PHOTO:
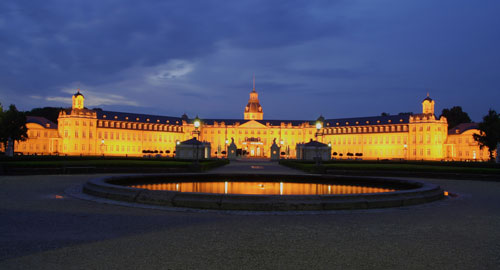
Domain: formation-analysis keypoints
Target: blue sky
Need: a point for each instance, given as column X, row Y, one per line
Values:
column 339, row 58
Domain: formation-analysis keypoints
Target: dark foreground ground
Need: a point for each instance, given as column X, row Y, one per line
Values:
column 41, row 230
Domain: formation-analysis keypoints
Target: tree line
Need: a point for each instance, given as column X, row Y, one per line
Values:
column 12, row 127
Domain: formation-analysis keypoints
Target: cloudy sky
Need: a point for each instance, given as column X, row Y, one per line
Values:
column 339, row 58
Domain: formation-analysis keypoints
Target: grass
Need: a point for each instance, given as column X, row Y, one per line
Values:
column 97, row 163
column 108, row 162
column 430, row 167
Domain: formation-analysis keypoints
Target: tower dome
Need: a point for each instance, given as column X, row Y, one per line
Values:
column 78, row 100
column 253, row 110
column 428, row 105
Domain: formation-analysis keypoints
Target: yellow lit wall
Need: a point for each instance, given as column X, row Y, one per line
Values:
column 463, row 147
column 41, row 141
column 418, row 137
column 256, row 138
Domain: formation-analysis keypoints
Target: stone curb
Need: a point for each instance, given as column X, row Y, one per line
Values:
column 413, row 193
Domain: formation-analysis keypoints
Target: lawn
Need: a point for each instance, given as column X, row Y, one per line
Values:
column 97, row 163
column 29, row 165
column 407, row 167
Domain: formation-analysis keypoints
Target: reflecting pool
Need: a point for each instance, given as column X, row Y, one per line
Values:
column 263, row 188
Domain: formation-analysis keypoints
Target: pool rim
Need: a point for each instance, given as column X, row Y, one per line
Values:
column 422, row 192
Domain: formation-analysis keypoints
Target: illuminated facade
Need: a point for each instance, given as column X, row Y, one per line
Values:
column 81, row 131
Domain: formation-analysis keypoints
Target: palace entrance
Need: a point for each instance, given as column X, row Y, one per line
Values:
column 254, row 147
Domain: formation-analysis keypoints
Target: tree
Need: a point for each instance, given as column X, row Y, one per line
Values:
column 13, row 126
column 2, row 115
column 51, row 113
column 384, row 114
column 490, row 132
column 455, row 116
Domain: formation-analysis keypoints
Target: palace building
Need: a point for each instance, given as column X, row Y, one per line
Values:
column 82, row 131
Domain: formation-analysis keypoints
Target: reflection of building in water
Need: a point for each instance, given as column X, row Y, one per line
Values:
column 82, row 131
column 263, row 188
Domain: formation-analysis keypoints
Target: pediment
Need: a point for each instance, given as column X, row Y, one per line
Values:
column 252, row 124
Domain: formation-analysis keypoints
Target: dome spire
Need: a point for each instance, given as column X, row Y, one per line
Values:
column 253, row 83
column 253, row 110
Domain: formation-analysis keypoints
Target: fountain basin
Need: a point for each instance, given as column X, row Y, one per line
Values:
column 394, row 192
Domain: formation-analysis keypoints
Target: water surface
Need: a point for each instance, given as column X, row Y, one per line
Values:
column 262, row 188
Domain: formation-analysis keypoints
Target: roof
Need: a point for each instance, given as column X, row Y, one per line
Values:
column 44, row 122
column 192, row 141
column 368, row 121
column 342, row 122
column 138, row 118
column 78, row 94
column 253, row 107
column 315, row 144
column 461, row 128
column 231, row 122
column 427, row 98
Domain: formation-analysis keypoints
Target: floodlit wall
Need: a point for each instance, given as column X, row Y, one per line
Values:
column 41, row 141
column 463, row 147
column 418, row 137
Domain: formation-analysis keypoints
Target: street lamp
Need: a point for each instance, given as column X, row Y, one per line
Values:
column 319, row 126
column 406, row 151
column 197, row 124
column 102, row 147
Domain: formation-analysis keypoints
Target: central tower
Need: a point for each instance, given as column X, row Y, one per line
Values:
column 253, row 110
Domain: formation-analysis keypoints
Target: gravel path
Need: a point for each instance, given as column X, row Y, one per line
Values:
column 42, row 228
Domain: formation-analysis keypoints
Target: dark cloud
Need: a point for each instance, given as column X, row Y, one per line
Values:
column 59, row 41
column 204, row 52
